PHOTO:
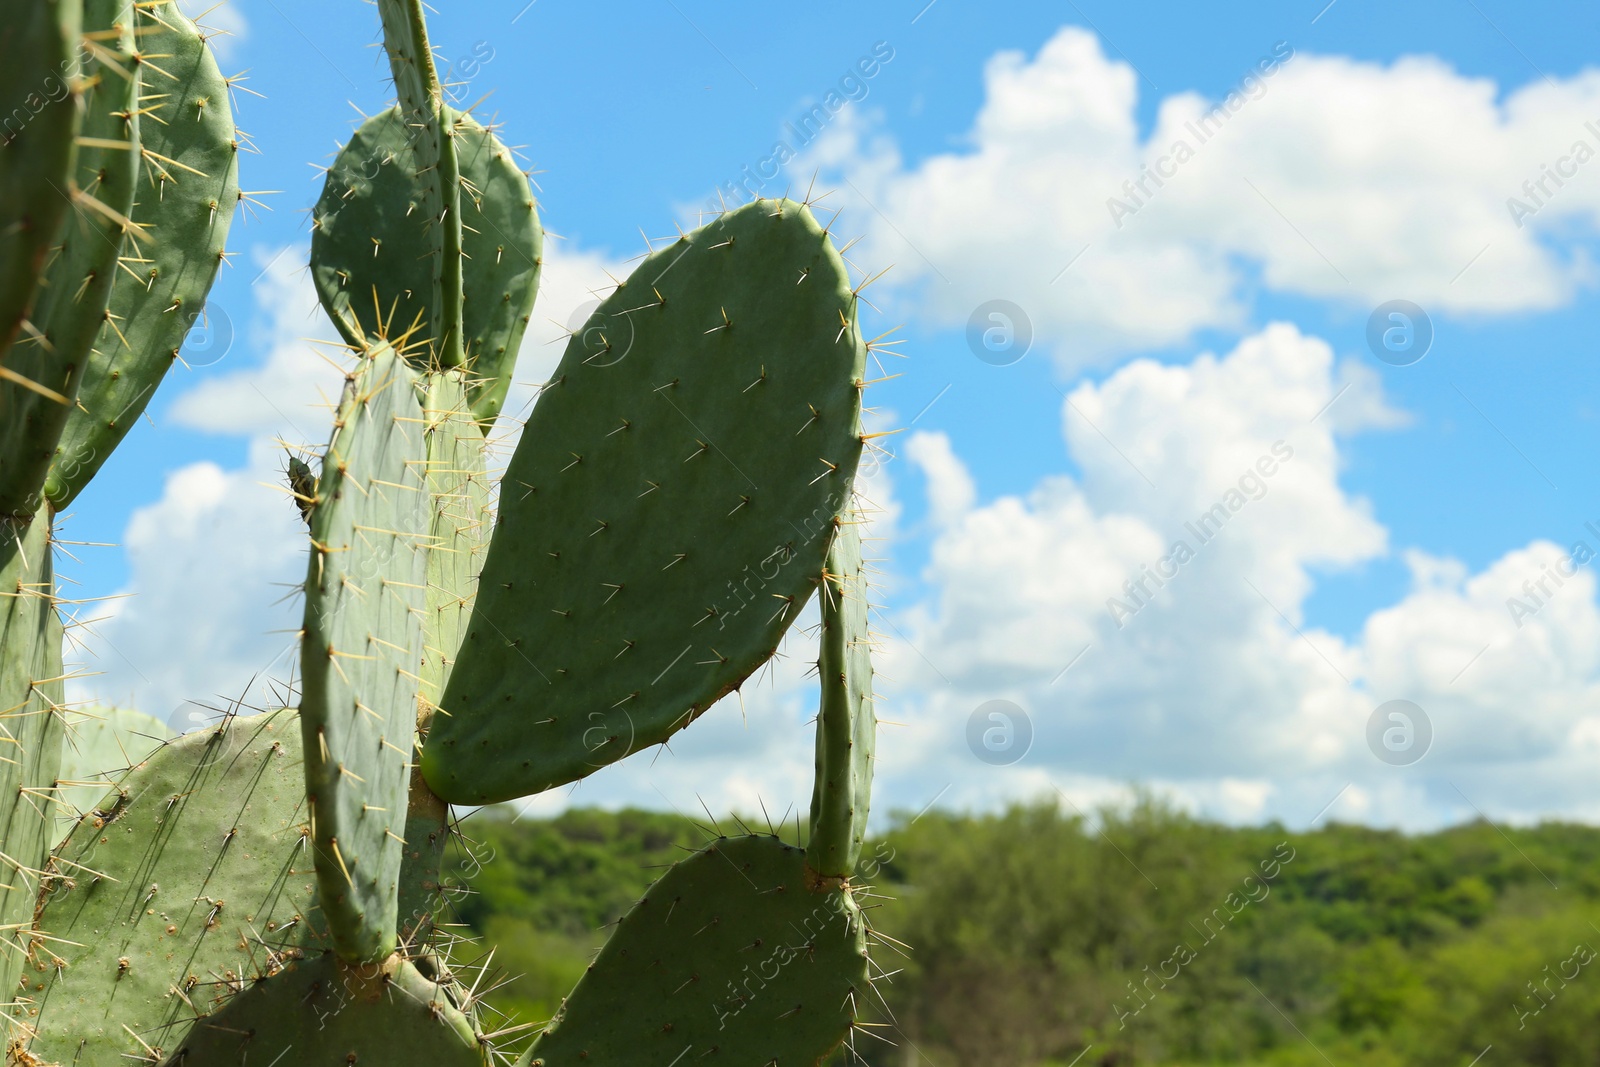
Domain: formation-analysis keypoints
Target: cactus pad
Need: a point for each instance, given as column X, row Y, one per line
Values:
column 733, row 952
column 458, row 493
column 667, row 510
column 70, row 307
column 373, row 255
column 422, row 900
column 31, row 727
column 361, row 650
column 327, row 1012
column 185, row 204
column 40, row 43
column 101, row 744
column 847, row 724
column 196, row 880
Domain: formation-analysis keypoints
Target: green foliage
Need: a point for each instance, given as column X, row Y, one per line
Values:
column 1038, row 935
column 543, row 892
column 1029, row 925
column 570, row 875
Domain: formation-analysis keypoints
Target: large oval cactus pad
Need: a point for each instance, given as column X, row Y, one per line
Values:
column 185, row 204
column 365, row 594
column 194, row 881
column 735, row 952
column 666, row 512
column 326, row 1012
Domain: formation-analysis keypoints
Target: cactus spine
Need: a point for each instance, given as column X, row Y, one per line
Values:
column 683, row 486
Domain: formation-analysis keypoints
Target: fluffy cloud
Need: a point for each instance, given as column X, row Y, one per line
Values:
column 951, row 491
column 1148, row 617
column 213, row 564
column 1349, row 181
column 1158, row 576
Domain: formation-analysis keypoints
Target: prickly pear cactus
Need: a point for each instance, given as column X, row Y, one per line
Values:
column 31, row 727
column 270, row 886
column 111, row 220
column 361, row 650
column 40, row 43
column 188, row 152
column 192, row 879
column 101, row 744
column 739, row 949
column 653, row 548
column 45, row 364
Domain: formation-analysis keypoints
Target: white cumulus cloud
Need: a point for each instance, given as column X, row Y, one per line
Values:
column 1339, row 179
column 1148, row 618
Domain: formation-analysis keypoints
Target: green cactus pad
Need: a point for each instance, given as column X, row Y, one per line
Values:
column 372, row 252
column 667, row 510
column 40, row 43
column 31, row 727
column 422, row 901
column 184, row 205
column 101, row 744
column 362, row 648
column 846, row 725
column 735, row 956
column 458, row 492
column 327, row 1013
column 78, row 271
column 196, row 880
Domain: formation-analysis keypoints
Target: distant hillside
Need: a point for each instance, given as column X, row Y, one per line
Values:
column 1152, row 939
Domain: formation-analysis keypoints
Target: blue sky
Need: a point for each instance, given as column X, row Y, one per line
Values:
column 1373, row 165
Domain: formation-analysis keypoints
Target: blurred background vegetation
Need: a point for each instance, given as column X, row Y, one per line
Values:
column 1136, row 936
